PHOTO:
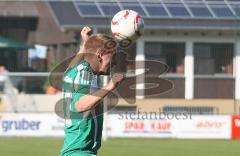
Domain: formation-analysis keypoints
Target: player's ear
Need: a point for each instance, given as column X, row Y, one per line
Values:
column 99, row 54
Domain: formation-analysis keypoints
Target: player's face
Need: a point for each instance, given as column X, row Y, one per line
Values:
column 106, row 62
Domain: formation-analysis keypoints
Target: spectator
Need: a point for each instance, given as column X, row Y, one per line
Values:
column 3, row 78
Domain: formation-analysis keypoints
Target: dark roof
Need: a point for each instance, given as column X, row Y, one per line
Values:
column 157, row 14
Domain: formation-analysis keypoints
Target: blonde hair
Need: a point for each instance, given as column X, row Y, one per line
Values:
column 100, row 41
column 95, row 42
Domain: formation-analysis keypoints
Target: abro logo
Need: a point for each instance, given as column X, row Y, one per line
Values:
column 237, row 122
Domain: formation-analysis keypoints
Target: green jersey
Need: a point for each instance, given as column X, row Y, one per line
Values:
column 83, row 131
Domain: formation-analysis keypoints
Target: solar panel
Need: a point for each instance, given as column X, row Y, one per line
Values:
column 109, row 9
column 233, row 0
column 236, row 8
column 221, row 11
column 215, row 0
column 156, row 10
column 64, row 12
column 193, row 0
column 134, row 6
column 221, row 1
column 200, row 11
column 171, row 1
column 88, row 9
column 178, row 10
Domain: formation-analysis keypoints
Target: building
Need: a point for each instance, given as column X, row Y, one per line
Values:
column 199, row 40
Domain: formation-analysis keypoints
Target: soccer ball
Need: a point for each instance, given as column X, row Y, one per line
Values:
column 127, row 26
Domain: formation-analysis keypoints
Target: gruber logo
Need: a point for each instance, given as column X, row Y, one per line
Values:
column 7, row 125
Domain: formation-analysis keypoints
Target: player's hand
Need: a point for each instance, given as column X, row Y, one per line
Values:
column 86, row 33
column 116, row 79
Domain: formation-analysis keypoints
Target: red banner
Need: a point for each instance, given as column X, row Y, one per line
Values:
column 236, row 127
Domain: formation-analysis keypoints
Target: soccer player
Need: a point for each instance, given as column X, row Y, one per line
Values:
column 83, row 130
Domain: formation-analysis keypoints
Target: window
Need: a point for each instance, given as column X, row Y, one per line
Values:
column 170, row 53
column 213, row 58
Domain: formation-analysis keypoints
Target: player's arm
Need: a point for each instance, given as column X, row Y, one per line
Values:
column 85, row 34
column 89, row 101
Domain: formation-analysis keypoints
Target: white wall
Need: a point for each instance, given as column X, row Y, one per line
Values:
column 33, row 102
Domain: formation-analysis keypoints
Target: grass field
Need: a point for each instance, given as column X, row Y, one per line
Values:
column 124, row 147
